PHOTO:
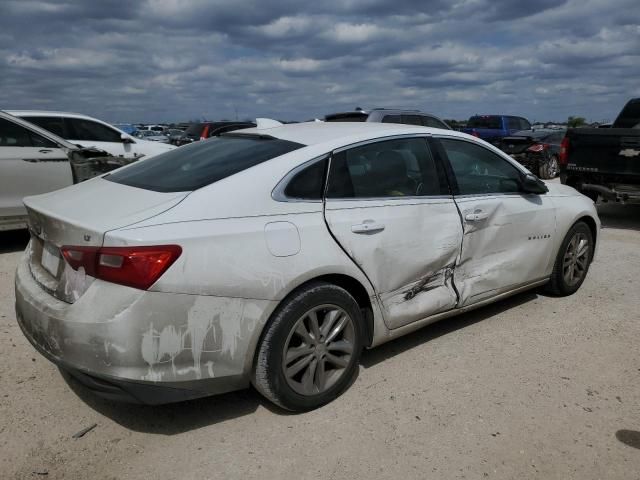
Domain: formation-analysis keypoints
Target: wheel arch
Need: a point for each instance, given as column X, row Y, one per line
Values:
column 591, row 223
column 353, row 286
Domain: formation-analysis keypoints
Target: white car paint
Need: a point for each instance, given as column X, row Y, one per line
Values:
column 244, row 249
column 124, row 145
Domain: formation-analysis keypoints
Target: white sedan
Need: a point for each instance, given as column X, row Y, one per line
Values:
column 272, row 256
column 86, row 131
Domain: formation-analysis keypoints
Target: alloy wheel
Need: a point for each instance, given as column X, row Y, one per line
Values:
column 318, row 349
column 576, row 259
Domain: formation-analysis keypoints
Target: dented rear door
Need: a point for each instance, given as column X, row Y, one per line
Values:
column 385, row 205
column 508, row 235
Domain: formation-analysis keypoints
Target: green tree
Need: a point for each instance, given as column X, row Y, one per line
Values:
column 574, row 122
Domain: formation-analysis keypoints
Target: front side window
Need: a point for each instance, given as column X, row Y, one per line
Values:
column 52, row 124
column 514, row 124
column 478, row 170
column 14, row 135
column 393, row 168
column 202, row 163
column 524, row 124
column 90, row 131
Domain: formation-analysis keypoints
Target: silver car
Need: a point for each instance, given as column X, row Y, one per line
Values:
column 273, row 256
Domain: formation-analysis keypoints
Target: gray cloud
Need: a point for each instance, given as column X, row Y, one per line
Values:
column 163, row 60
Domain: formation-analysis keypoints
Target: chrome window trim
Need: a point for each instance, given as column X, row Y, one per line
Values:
column 278, row 191
column 381, row 139
column 378, row 199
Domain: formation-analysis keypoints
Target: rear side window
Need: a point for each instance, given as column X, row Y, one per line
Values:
column 392, row 119
column 90, row 131
column 493, row 122
column 412, row 120
column 393, row 168
column 308, row 184
column 13, row 135
column 434, row 123
column 202, row 163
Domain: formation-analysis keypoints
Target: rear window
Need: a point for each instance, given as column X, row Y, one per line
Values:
column 487, row 121
column 346, row 117
column 203, row 163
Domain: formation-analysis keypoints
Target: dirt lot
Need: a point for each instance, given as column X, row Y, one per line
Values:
column 532, row 387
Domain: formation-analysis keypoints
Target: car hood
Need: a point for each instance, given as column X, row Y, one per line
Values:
column 560, row 190
column 149, row 148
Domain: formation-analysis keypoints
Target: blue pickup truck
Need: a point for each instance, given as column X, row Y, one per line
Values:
column 493, row 128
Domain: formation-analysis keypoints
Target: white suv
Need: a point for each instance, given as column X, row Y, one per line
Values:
column 89, row 132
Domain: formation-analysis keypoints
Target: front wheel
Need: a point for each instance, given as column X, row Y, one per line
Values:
column 311, row 348
column 572, row 262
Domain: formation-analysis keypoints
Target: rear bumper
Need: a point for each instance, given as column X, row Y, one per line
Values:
column 139, row 346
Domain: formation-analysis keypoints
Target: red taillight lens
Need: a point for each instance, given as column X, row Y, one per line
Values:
column 205, row 133
column 538, row 147
column 474, row 133
column 563, row 157
column 137, row 267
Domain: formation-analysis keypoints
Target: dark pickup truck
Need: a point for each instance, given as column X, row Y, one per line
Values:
column 605, row 162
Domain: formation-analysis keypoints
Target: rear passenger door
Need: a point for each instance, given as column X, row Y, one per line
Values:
column 388, row 206
column 508, row 234
column 30, row 164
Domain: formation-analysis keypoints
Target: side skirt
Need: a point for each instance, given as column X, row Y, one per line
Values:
column 383, row 337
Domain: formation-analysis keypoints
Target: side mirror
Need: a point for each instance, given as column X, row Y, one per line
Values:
column 126, row 138
column 532, row 184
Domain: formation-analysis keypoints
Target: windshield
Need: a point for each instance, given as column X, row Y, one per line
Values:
column 189, row 168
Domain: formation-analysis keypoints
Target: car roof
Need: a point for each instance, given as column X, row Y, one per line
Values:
column 48, row 113
column 316, row 133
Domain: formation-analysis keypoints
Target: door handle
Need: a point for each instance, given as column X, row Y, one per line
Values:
column 45, row 150
column 368, row 226
column 476, row 216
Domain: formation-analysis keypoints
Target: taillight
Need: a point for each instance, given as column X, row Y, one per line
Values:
column 563, row 157
column 538, row 147
column 137, row 267
column 474, row 133
column 205, row 133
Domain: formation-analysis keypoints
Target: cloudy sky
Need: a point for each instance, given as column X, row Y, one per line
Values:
column 173, row 60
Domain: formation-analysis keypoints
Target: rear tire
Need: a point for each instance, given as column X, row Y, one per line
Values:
column 572, row 261
column 310, row 351
column 549, row 169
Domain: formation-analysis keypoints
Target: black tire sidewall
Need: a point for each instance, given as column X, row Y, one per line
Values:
column 562, row 286
column 278, row 331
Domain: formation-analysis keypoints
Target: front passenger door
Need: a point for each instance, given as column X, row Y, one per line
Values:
column 508, row 234
column 387, row 204
column 30, row 164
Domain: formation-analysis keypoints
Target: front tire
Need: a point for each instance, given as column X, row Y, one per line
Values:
column 310, row 351
column 572, row 262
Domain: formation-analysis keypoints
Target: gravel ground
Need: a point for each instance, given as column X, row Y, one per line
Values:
column 532, row 387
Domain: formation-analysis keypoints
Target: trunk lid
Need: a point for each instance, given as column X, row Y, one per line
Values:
column 515, row 145
column 81, row 215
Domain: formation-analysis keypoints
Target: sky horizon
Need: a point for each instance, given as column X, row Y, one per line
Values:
column 174, row 60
